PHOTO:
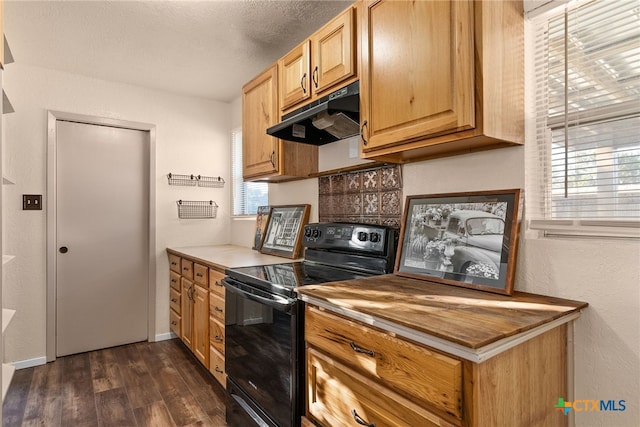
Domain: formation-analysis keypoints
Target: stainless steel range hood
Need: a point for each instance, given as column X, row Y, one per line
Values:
column 328, row 119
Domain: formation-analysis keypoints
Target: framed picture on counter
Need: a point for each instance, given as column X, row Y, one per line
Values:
column 262, row 216
column 461, row 239
column 283, row 234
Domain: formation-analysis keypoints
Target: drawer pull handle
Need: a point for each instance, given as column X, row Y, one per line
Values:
column 174, row 300
column 359, row 419
column 219, row 338
column 174, row 323
column 218, row 283
column 218, row 370
column 199, row 275
column 216, row 308
column 174, row 263
column 185, row 268
column 361, row 350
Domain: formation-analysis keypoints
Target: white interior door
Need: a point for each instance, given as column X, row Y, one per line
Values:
column 102, row 259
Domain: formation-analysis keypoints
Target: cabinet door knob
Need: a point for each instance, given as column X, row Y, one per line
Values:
column 314, row 77
column 361, row 421
column 364, row 140
column 63, row 249
column 357, row 349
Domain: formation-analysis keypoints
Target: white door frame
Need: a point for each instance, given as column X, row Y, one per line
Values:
column 52, row 118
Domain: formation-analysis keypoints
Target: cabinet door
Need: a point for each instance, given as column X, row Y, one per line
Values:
column 200, row 344
column 260, row 111
column 417, row 70
column 293, row 72
column 333, row 50
column 186, row 312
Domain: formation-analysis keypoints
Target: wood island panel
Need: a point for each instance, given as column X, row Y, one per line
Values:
column 466, row 317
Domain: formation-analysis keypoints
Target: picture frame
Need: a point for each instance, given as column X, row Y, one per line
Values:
column 461, row 239
column 262, row 217
column 283, row 234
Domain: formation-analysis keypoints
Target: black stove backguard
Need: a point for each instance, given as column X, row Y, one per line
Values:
column 264, row 346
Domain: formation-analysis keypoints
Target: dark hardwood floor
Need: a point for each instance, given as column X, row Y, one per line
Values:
column 143, row 384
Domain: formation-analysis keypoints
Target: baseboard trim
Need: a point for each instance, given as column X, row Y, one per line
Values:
column 30, row 363
column 166, row 336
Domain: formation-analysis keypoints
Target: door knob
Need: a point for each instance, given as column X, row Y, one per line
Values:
column 63, row 249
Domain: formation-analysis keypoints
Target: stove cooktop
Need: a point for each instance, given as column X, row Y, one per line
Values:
column 284, row 278
column 333, row 252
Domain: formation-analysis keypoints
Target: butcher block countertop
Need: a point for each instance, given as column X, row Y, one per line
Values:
column 221, row 257
column 473, row 324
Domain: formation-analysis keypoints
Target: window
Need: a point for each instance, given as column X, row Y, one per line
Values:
column 247, row 196
column 583, row 169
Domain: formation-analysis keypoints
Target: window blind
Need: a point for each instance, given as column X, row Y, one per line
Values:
column 247, row 196
column 585, row 166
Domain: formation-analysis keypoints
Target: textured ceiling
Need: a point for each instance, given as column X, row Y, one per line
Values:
column 198, row 48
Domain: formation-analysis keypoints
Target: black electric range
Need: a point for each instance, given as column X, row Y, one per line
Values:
column 264, row 342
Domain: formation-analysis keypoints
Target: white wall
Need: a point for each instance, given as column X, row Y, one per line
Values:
column 192, row 136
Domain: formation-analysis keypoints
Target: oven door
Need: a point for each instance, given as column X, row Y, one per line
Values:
column 261, row 354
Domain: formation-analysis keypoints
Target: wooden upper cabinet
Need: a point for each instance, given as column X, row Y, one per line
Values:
column 333, row 51
column 440, row 78
column 319, row 63
column 293, row 69
column 265, row 157
column 260, row 111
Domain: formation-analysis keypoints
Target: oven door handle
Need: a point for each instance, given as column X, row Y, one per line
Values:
column 274, row 301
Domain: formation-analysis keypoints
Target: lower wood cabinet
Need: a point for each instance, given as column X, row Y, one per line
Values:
column 197, row 310
column 357, row 374
column 217, row 311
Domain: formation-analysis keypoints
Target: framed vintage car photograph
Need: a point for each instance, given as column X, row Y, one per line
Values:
column 461, row 239
column 284, row 230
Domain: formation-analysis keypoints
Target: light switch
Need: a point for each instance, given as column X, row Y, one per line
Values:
column 32, row 202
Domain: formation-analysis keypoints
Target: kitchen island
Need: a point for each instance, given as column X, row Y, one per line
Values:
column 390, row 349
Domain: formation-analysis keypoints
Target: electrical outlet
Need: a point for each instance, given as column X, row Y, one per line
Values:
column 32, row 202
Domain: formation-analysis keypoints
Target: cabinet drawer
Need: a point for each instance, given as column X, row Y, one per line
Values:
column 201, row 274
column 215, row 282
column 175, row 322
column 175, row 300
column 187, row 269
column 174, row 263
column 339, row 396
column 216, row 307
column 174, row 280
column 216, row 335
column 416, row 372
column 216, row 366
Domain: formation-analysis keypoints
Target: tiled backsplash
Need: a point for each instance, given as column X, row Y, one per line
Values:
column 371, row 196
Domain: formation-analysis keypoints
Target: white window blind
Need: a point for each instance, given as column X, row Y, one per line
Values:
column 585, row 168
column 247, row 196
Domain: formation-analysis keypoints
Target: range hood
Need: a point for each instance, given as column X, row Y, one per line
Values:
column 328, row 119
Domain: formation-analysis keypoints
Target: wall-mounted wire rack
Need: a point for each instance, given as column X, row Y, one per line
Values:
column 193, row 180
column 210, row 181
column 197, row 209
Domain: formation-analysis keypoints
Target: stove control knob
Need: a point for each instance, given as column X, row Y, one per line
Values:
column 374, row 237
column 316, row 233
column 362, row 236
column 307, row 232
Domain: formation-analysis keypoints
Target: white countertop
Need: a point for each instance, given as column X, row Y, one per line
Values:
column 227, row 256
